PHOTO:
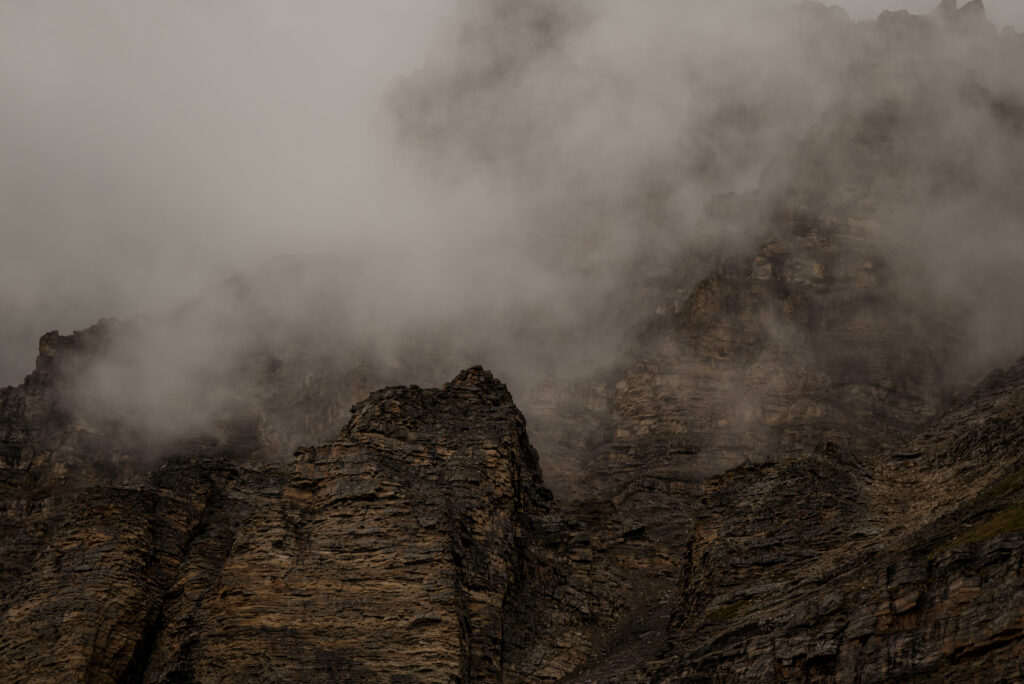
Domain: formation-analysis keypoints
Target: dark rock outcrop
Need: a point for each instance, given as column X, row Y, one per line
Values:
column 903, row 566
column 780, row 477
column 420, row 545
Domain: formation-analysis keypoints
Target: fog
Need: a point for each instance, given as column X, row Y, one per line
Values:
column 1001, row 12
column 153, row 149
column 448, row 161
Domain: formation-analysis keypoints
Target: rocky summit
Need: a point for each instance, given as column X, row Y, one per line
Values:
column 409, row 549
column 805, row 461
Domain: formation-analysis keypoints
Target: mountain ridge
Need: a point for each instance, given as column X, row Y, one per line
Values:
column 786, row 469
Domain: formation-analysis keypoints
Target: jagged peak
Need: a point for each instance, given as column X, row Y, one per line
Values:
column 952, row 11
column 974, row 7
column 472, row 395
column 477, row 377
column 947, row 8
column 820, row 9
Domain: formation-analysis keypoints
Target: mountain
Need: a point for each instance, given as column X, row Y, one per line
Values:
column 404, row 549
column 797, row 459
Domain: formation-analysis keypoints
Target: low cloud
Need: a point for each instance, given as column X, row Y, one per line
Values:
column 510, row 182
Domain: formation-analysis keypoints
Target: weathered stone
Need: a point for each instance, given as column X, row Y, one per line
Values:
column 775, row 480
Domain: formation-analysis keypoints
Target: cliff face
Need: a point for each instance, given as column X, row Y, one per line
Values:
column 777, row 352
column 421, row 545
column 900, row 566
column 418, row 546
column 782, row 475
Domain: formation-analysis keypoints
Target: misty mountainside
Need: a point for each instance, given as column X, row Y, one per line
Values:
column 764, row 416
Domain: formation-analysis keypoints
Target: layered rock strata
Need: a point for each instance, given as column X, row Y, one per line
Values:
column 903, row 566
column 418, row 546
column 773, row 481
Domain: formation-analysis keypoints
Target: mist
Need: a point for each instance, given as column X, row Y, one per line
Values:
column 151, row 150
column 506, row 177
column 1001, row 12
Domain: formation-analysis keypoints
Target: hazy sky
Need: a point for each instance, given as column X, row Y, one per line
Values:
column 148, row 149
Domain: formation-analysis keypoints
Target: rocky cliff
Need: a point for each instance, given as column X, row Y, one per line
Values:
column 418, row 546
column 901, row 566
column 790, row 471
column 422, row 545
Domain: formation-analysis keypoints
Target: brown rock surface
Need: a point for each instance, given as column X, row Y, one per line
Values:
column 412, row 548
column 901, row 566
column 773, row 481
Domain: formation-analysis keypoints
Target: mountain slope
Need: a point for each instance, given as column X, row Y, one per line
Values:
column 901, row 566
column 787, row 470
column 412, row 547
